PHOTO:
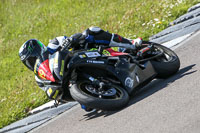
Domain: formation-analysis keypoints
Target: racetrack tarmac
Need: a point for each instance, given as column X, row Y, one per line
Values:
column 164, row 106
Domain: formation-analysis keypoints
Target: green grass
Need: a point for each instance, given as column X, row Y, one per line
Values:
column 21, row 20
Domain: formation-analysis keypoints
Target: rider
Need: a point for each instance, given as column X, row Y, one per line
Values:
column 33, row 49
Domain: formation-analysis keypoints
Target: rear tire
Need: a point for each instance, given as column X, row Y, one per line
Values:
column 166, row 65
column 80, row 94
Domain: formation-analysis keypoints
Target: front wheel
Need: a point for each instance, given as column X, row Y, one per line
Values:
column 167, row 64
column 111, row 97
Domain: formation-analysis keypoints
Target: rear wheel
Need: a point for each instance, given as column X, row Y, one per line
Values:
column 167, row 64
column 110, row 97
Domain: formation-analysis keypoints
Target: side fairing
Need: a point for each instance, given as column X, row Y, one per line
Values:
column 129, row 74
column 57, row 64
column 132, row 76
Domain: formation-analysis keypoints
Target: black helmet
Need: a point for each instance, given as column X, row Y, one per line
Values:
column 30, row 51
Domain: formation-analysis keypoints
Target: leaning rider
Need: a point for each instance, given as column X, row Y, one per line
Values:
column 32, row 49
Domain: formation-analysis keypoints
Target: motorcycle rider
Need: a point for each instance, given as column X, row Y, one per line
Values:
column 33, row 49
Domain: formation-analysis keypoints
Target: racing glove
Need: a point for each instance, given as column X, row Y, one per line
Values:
column 77, row 40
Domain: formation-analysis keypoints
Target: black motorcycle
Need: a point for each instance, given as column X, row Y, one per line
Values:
column 103, row 78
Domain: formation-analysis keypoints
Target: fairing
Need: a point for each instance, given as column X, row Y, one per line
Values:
column 129, row 74
column 41, row 68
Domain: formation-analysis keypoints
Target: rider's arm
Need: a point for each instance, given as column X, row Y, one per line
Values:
column 91, row 36
column 98, row 36
column 55, row 44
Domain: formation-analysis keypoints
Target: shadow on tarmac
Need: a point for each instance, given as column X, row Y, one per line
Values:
column 151, row 88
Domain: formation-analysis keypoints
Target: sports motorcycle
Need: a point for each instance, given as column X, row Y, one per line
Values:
column 103, row 78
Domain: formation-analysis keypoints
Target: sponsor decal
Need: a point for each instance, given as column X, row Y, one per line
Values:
column 92, row 54
column 95, row 62
column 82, row 56
column 129, row 82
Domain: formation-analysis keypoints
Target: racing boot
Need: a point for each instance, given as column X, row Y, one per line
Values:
column 135, row 45
column 125, row 44
column 53, row 92
column 137, row 42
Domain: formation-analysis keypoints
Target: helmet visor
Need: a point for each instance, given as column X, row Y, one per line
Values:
column 30, row 62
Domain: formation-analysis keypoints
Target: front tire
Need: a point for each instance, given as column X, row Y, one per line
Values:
column 108, row 103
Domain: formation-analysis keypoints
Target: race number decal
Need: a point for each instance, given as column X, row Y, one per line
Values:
column 44, row 71
column 42, row 74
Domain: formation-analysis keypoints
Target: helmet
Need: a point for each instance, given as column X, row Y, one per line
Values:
column 30, row 51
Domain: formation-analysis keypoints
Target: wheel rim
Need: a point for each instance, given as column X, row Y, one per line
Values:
column 166, row 57
column 108, row 92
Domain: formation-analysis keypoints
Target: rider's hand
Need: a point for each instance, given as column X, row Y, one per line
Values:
column 76, row 40
column 66, row 43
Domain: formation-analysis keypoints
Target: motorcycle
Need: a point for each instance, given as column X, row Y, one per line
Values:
column 104, row 79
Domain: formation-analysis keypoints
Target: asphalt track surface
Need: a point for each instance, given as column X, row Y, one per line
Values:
column 164, row 106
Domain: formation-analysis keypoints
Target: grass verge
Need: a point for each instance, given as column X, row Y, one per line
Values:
column 21, row 20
